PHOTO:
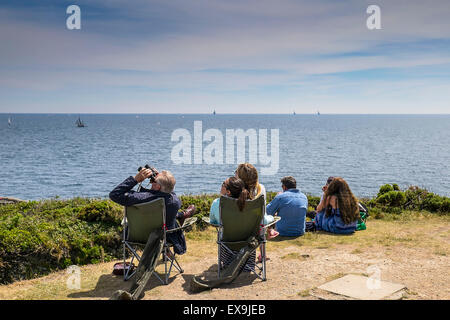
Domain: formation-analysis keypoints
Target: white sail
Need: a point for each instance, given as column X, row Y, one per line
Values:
column 79, row 123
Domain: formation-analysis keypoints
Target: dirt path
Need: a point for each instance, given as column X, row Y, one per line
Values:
column 417, row 258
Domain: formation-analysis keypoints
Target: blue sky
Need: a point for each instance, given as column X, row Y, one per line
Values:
column 257, row 56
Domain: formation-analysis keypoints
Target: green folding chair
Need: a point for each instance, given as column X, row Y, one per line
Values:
column 236, row 227
column 140, row 220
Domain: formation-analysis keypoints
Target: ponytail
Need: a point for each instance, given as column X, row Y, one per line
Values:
column 242, row 198
column 238, row 191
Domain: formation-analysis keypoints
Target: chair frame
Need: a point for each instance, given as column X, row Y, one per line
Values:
column 260, row 267
column 168, row 255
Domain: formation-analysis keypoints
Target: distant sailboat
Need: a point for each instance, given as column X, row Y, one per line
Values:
column 318, row 113
column 294, row 113
column 79, row 123
column 9, row 122
column 214, row 112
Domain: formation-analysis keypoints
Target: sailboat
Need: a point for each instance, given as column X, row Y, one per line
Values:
column 79, row 123
column 294, row 113
column 318, row 113
column 214, row 112
column 9, row 122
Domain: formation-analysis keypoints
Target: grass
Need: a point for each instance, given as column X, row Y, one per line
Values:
column 40, row 237
column 411, row 229
column 414, row 231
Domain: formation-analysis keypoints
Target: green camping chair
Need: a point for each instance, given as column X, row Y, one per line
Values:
column 236, row 227
column 140, row 220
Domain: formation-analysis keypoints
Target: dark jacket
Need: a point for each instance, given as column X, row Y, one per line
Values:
column 124, row 195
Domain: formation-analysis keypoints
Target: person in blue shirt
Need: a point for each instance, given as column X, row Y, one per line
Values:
column 338, row 211
column 290, row 205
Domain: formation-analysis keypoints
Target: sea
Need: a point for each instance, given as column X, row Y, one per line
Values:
column 47, row 156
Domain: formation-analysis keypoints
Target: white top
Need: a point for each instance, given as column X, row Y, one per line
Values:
column 263, row 192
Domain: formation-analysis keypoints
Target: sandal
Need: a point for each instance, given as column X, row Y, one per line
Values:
column 260, row 258
column 272, row 234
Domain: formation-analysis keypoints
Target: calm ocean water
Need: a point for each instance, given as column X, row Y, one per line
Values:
column 46, row 155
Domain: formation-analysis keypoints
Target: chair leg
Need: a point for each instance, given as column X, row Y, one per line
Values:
column 218, row 261
column 134, row 255
column 170, row 256
column 166, row 276
column 263, row 256
column 124, row 261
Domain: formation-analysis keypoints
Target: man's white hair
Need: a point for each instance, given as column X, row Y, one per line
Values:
column 166, row 180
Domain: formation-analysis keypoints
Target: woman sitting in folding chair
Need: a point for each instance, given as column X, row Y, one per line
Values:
column 235, row 188
column 248, row 173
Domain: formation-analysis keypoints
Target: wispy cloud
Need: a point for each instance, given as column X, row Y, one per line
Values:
column 257, row 56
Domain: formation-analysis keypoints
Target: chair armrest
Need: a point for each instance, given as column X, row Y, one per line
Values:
column 187, row 223
column 275, row 220
column 208, row 221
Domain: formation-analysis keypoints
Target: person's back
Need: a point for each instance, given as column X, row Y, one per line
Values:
column 338, row 212
column 291, row 206
column 162, row 187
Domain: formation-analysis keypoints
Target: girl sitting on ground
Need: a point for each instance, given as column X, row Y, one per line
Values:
column 338, row 211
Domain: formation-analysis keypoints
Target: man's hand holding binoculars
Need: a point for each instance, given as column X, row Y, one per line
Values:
column 145, row 173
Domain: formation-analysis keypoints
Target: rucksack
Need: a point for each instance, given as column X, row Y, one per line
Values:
column 364, row 214
column 120, row 268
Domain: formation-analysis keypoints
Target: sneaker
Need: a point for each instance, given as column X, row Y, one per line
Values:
column 189, row 212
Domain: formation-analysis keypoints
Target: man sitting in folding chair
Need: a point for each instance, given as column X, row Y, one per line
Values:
column 165, row 212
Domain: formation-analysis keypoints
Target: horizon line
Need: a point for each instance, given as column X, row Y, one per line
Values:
column 216, row 114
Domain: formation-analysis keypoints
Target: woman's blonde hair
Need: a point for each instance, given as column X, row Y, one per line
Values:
column 248, row 173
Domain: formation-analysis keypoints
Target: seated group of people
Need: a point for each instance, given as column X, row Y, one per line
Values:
column 337, row 212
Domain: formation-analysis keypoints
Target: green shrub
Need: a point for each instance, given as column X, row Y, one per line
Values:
column 436, row 203
column 392, row 198
column 313, row 201
column 384, row 189
column 38, row 237
column 101, row 211
column 421, row 199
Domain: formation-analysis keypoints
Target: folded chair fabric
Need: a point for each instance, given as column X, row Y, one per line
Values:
column 230, row 272
column 147, row 265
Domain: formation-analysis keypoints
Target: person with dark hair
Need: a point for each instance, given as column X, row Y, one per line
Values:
column 290, row 205
column 312, row 214
column 235, row 188
column 248, row 173
column 338, row 211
